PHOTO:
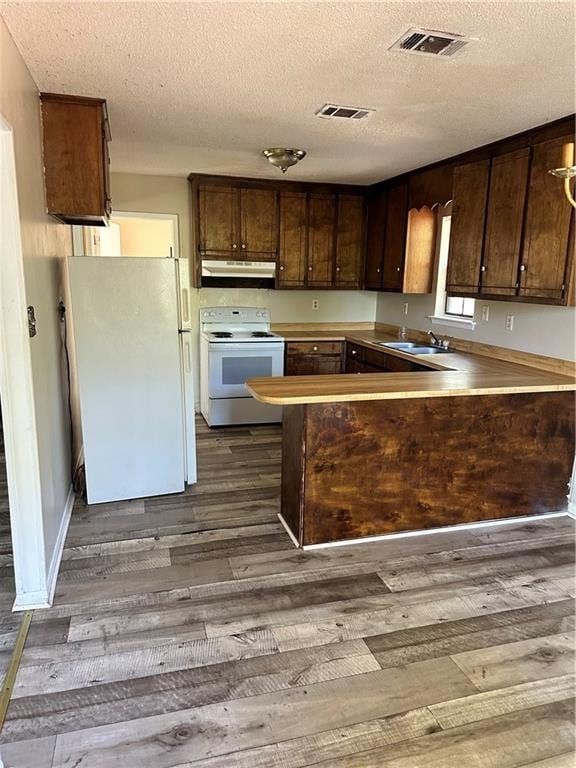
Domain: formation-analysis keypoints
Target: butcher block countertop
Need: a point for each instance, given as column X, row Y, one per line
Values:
column 451, row 374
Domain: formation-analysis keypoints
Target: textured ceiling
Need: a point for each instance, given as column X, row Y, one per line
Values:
column 204, row 86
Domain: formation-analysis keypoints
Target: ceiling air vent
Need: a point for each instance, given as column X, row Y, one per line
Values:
column 428, row 42
column 330, row 111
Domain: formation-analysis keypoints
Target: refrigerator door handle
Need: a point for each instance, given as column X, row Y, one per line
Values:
column 185, row 305
column 187, row 356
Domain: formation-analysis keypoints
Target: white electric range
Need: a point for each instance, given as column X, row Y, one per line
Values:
column 236, row 344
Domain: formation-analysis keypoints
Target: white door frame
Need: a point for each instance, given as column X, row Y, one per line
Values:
column 173, row 217
column 17, row 392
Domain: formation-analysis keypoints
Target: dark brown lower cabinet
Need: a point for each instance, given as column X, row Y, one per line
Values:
column 357, row 469
column 313, row 358
column 361, row 359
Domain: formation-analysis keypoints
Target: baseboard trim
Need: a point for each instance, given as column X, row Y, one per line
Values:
column 431, row 531
column 43, row 598
column 288, row 531
column 31, row 601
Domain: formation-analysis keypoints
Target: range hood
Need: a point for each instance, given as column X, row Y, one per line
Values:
column 226, row 273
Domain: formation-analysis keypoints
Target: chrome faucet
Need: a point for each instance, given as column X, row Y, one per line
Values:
column 443, row 344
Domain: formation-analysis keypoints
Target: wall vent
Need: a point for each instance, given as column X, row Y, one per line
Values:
column 428, row 42
column 332, row 111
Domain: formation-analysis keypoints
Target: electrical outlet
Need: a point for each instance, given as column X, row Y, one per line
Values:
column 485, row 312
column 405, row 308
column 315, row 303
column 509, row 322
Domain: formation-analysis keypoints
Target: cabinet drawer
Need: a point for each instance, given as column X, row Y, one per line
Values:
column 355, row 352
column 314, row 348
column 398, row 364
column 375, row 358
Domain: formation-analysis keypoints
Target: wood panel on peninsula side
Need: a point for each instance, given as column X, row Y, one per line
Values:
column 370, row 468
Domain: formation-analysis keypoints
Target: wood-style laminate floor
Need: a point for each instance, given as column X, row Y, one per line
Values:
column 188, row 632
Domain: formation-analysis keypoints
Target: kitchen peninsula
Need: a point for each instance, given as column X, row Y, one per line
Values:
column 471, row 439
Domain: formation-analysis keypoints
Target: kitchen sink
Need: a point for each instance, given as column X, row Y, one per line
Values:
column 399, row 344
column 413, row 348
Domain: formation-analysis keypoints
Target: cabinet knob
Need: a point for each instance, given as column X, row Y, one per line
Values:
column 353, row 351
column 315, row 349
column 377, row 269
column 483, row 268
column 309, row 269
column 522, row 267
column 281, row 267
column 397, row 269
column 243, row 245
column 337, row 269
column 234, row 246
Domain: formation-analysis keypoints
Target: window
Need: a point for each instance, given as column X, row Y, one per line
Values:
column 459, row 306
column 449, row 310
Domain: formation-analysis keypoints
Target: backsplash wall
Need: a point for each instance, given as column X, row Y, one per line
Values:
column 296, row 306
column 540, row 329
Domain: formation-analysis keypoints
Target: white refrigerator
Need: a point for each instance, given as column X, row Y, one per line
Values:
column 134, row 360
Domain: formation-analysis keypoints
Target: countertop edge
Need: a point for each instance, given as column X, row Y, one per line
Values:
column 403, row 394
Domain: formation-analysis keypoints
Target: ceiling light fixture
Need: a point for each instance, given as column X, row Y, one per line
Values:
column 284, row 157
column 567, row 172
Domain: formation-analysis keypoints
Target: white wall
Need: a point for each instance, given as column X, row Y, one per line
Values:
column 540, row 329
column 45, row 244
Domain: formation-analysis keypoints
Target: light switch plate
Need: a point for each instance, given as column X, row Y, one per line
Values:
column 315, row 303
column 405, row 308
column 485, row 312
column 509, row 322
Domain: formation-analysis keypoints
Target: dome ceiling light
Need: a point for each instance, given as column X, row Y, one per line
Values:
column 284, row 157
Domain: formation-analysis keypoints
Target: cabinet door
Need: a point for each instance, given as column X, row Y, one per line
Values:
column 349, row 241
column 322, row 219
column 76, row 173
column 376, row 228
column 300, row 365
column 217, row 221
column 420, row 250
column 547, row 228
column 467, row 230
column 293, row 240
column 504, row 219
column 258, row 223
column 395, row 238
column 354, row 366
column 328, row 364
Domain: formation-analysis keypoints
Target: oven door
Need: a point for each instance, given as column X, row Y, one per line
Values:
column 230, row 365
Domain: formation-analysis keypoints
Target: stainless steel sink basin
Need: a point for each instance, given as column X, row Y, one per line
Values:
column 403, row 345
column 426, row 351
column 413, row 348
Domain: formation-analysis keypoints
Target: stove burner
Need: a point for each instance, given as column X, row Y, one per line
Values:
column 262, row 335
column 222, row 334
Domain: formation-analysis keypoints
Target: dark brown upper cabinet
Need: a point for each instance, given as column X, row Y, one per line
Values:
column 470, row 194
column 76, row 133
column 431, row 187
column 511, row 228
column 293, row 240
column 395, row 238
column 401, row 243
column 547, row 258
column 349, row 241
column 321, row 240
column 504, row 219
column 218, row 226
column 376, row 227
column 258, row 222
column 236, row 222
